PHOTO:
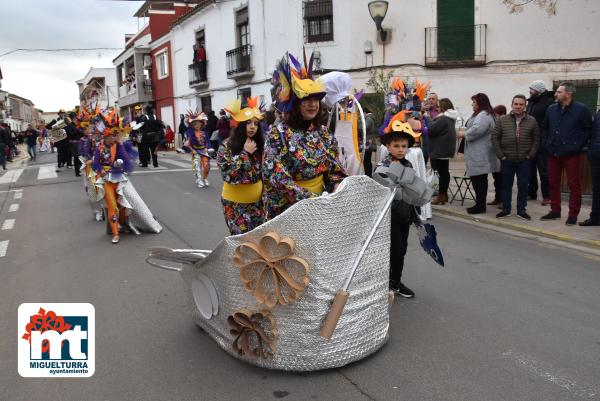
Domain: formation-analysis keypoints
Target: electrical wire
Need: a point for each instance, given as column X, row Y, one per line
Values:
column 60, row 50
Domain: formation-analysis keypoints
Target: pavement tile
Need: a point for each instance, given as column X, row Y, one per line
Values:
column 556, row 229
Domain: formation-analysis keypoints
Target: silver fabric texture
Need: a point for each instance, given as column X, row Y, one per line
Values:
column 415, row 157
column 141, row 216
column 197, row 167
column 138, row 213
column 89, row 183
column 411, row 189
column 328, row 232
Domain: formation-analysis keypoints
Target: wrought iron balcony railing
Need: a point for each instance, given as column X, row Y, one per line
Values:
column 197, row 73
column 455, row 45
column 239, row 60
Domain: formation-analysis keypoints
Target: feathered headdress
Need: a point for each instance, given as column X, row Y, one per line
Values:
column 234, row 108
column 197, row 115
column 399, row 128
column 83, row 118
column 293, row 81
column 409, row 98
column 113, row 124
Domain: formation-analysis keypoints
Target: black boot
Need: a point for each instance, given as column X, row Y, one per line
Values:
column 477, row 209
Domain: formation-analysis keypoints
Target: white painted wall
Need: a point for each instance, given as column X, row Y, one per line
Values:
column 166, row 113
column 110, row 81
column 276, row 26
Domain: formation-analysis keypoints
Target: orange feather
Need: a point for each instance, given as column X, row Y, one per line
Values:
column 252, row 102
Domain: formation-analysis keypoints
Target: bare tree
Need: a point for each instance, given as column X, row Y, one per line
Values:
column 516, row 6
column 379, row 83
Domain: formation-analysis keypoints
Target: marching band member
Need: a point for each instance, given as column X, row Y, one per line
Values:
column 240, row 161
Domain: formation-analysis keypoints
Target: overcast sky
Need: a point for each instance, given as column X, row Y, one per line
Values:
column 48, row 78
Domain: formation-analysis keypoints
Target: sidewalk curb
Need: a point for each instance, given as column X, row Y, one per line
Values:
column 588, row 246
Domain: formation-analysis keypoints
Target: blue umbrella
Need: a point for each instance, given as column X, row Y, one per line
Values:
column 428, row 240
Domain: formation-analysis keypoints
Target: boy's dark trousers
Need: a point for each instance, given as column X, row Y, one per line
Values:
column 398, row 245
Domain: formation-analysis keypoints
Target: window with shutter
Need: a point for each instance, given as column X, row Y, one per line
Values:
column 244, row 93
column 586, row 93
column 241, row 22
column 206, row 103
column 318, row 20
column 456, row 30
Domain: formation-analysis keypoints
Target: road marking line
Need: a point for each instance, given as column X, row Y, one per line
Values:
column 14, row 207
column 11, row 176
column 19, row 195
column 3, row 248
column 8, row 224
column 178, row 163
column 47, row 171
column 579, row 389
column 174, row 170
column 165, row 170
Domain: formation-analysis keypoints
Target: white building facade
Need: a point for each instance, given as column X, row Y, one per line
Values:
column 132, row 74
column 463, row 47
column 99, row 86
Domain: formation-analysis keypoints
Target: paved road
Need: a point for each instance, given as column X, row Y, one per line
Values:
column 508, row 319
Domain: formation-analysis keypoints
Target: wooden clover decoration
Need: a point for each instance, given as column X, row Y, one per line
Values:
column 270, row 271
column 256, row 333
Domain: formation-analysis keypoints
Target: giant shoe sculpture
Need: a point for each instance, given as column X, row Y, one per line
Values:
column 263, row 295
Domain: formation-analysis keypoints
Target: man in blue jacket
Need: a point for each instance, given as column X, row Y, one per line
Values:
column 565, row 132
column 594, row 157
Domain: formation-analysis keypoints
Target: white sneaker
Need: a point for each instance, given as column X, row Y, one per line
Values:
column 199, row 184
column 206, row 183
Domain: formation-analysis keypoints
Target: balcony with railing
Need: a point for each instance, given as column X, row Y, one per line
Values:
column 239, row 62
column 455, row 46
column 137, row 91
column 197, row 75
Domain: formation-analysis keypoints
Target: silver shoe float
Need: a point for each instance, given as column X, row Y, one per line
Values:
column 267, row 296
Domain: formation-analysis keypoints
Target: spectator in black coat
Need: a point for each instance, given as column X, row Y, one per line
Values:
column 566, row 130
column 211, row 124
column 182, row 128
column 4, row 142
column 31, row 136
column 537, row 105
column 223, row 127
column 442, row 146
column 594, row 158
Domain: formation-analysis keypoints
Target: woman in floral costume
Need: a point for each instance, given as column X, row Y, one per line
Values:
column 240, row 160
column 301, row 155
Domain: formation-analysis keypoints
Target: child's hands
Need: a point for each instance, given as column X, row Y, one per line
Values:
column 250, row 146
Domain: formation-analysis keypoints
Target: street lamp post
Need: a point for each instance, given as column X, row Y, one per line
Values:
column 378, row 10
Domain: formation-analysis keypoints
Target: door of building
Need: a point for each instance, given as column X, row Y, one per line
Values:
column 456, row 30
column 166, row 115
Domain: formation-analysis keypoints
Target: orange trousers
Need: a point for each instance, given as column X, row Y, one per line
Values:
column 201, row 166
column 114, row 216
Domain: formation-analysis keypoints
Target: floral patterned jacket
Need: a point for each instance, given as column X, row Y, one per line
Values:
column 297, row 155
column 243, row 168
